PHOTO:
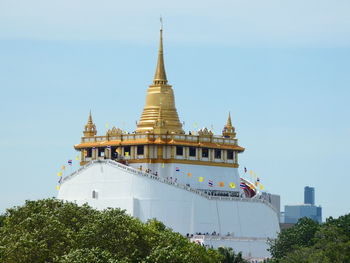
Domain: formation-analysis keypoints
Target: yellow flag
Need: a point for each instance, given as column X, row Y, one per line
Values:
column 63, row 167
column 59, row 174
column 232, row 185
column 251, row 172
column 126, row 153
column 189, row 174
column 200, row 179
column 261, row 187
column 163, row 165
column 77, row 158
column 57, row 187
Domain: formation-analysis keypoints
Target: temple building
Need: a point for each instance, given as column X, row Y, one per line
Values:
column 187, row 180
column 159, row 141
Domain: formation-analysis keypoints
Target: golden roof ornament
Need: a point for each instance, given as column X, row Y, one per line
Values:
column 114, row 132
column 205, row 132
column 160, row 110
column 229, row 130
column 90, row 128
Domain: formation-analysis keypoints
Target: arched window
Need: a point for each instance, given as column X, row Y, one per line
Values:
column 94, row 194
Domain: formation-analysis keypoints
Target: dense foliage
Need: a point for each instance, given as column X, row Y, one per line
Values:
column 55, row 231
column 310, row 242
column 229, row 256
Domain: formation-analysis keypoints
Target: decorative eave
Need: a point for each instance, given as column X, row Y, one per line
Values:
column 159, row 142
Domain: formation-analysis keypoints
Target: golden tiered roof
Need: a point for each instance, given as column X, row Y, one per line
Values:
column 90, row 128
column 229, row 130
column 159, row 115
column 159, row 133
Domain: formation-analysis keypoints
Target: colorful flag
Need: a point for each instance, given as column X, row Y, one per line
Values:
column 177, row 169
column 57, row 187
column 77, row 157
column 210, row 183
column 245, row 170
column 258, row 179
column 163, row 165
column 59, row 174
column 200, row 179
column 232, row 185
column 221, row 184
column 195, row 124
column 243, row 186
column 251, row 172
column 126, row 154
column 70, row 162
column 189, row 174
column 107, row 125
column 63, row 167
column 261, row 187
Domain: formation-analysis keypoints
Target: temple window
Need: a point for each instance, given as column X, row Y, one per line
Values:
column 88, row 152
column 114, row 153
column 205, row 152
column 140, row 150
column 127, row 150
column 94, row 194
column 217, row 154
column 179, row 150
column 230, row 155
column 192, row 152
column 101, row 152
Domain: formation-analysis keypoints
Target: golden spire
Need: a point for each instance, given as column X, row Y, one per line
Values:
column 90, row 128
column 229, row 130
column 159, row 114
column 229, row 123
column 160, row 75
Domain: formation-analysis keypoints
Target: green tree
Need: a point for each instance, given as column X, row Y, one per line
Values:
column 330, row 243
column 300, row 235
column 41, row 230
column 2, row 218
column 116, row 232
column 229, row 256
column 51, row 230
column 94, row 255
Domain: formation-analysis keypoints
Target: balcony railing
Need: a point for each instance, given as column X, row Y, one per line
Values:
column 152, row 137
column 137, row 172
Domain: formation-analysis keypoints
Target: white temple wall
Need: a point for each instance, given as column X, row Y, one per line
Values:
column 182, row 210
column 214, row 173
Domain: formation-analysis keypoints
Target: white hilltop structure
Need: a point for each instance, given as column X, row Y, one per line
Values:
column 190, row 182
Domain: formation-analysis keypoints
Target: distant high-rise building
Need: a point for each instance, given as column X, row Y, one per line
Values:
column 309, row 195
column 292, row 213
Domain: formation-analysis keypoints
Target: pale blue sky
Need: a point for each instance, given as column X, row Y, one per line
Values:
column 281, row 67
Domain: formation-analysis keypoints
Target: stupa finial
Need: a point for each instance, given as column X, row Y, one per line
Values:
column 160, row 75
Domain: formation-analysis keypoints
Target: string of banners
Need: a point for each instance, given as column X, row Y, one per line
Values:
column 243, row 184
column 63, row 169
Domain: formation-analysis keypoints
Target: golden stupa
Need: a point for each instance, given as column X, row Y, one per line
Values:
column 159, row 137
column 159, row 115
